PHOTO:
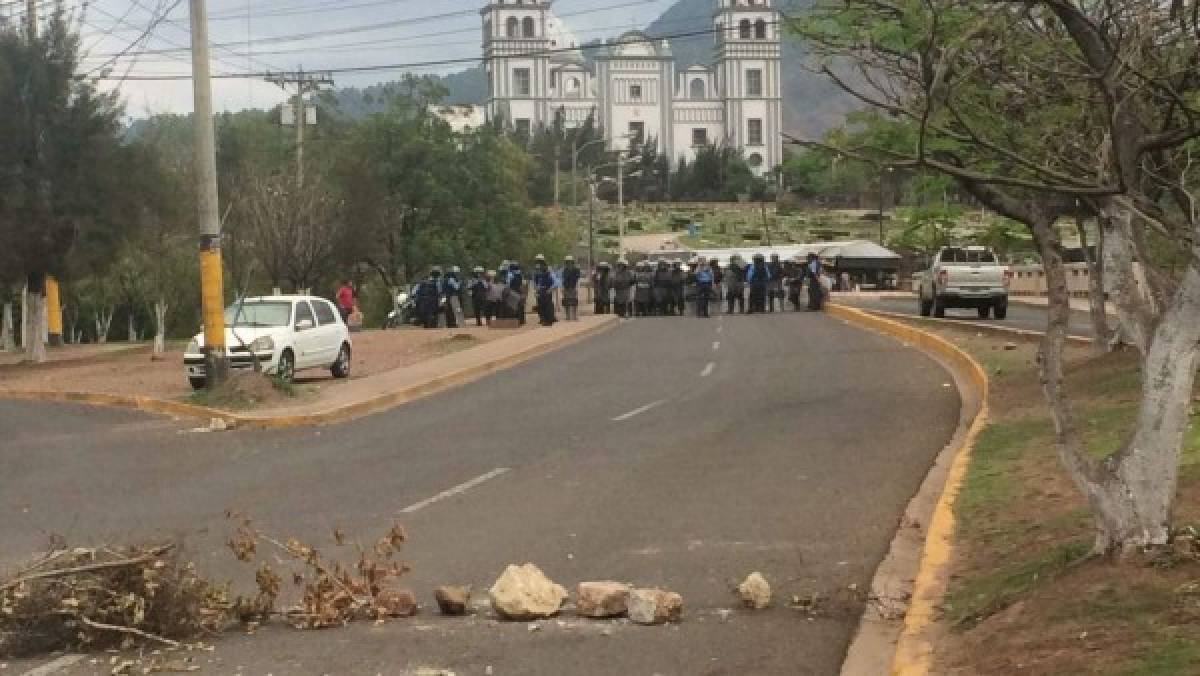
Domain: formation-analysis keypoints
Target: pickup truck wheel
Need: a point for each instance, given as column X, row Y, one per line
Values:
column 939, row 308
column 984, row 311
column 341, row 367
column 1001, row 310
column 198, row 383
column 926, row 307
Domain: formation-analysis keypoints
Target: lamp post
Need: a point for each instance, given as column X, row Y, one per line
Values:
column 576, row 150
column 884, row 172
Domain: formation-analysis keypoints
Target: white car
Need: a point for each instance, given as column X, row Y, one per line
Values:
column 282, row 334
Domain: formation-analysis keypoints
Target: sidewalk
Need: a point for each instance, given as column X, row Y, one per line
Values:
column 359, row 397
column 1077, row 304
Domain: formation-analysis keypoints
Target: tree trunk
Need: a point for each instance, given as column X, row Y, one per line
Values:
column 131, row 331
column 1133, row 307
column 35, row 302
column 160, row 326
column 21, row 342
column 6, row 329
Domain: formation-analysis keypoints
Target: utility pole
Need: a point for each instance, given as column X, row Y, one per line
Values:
column 621, row 203
column 557, row 162
column 212, row 292
column 31, row 18
column 303, row 83
column 591, row 227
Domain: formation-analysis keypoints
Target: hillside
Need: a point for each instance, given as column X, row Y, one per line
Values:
column 812, row 104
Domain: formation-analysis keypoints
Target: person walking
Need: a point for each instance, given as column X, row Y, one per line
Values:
column 775, row 284
column 429, row 298
column 643, row 293
column 704, row 287
column 543, row 285
column 735, row 285
column 570, row 288
column 623, row 282
column 515, row 301
column 451, row 295
column 718, row 280
column 678, row 280
column 345, row 300
column 815, row 274
column 758, row 276
column 478, row 287
column 602, row 287
column 662, row 289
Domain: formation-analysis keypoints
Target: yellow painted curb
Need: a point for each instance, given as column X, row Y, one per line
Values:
column 914, row 650
column 332, row 416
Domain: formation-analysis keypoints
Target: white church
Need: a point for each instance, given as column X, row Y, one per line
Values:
column 536, row 71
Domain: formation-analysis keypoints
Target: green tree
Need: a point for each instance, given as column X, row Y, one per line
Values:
column 59, row 143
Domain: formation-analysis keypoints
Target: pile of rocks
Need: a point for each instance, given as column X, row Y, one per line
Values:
column 525, row 593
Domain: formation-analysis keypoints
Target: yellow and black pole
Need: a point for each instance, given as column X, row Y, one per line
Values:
column 212, row 294
column 54, row 324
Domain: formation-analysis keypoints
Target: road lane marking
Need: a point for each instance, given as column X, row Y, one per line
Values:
column 54, row 666
column 457, row 490
column 639, row 411
column 708, row 369
column 716, row 345
column 720, row 328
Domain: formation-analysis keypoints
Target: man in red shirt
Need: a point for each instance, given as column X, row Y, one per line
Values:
column 345, row 300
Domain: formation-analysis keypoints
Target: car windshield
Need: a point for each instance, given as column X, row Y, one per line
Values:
column 256, row 314
column 968, row 256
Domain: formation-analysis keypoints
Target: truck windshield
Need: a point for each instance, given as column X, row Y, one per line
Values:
column 967, row 256
column 256, row 314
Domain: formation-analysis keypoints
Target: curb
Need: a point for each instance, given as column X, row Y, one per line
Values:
column 332, row 416
column 1024, row 334
column 913, row 645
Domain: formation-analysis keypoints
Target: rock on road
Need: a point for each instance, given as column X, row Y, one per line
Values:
column 680, row 453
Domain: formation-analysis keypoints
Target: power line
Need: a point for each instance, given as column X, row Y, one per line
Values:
column 447, row 62
column 289, row 38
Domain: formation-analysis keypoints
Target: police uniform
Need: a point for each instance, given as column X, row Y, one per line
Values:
column 602, row 287
column 570, row 288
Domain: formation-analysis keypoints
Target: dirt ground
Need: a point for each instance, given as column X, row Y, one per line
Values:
column 1024, row 596
column 374, row 352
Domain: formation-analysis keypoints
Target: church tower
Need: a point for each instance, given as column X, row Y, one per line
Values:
column 517, row 62
column 749, row 76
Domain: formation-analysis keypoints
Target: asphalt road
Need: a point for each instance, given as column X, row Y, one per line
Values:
column 680, row 453
column 1020, row 316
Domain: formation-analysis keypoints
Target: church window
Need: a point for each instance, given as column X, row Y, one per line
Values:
column 699, row 137
column 754, row 132
column 522, row 126
column 754, row 82
column 760, row 29
column 521, row 82
column 573, row 87
column 744, row 29
column 755, row 160
column 697, row 91
column 511, row 27
column 527, row 27
column 635, row 92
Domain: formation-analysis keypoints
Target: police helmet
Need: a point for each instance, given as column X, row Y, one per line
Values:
column 603, row 264
column 478, row 268
column 759, row 257
column 568, row 259
column 540, row 258
column 622, row 261
column 456, row 269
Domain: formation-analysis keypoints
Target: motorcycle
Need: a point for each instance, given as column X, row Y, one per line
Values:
column 404, row 310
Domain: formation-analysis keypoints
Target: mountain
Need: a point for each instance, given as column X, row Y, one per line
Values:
column 812, row 103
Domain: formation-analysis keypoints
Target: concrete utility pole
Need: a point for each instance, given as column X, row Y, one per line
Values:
column 575, row 151
column 303, row 83
column 621, row 203
column 212, row 292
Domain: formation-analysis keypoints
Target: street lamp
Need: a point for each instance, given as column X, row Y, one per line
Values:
column 883, row 173
column 576, row 150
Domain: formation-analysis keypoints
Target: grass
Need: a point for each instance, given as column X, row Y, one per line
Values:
column 1024, row 596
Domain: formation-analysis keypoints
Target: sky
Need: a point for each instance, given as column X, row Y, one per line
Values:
column 253, row 36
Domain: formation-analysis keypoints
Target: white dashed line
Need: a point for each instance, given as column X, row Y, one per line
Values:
column 720, row 328
column 457, row 490
column 708, row 369
column 716, row 345
column 639, row 411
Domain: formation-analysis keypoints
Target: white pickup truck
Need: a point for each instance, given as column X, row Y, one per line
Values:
column 965, row 277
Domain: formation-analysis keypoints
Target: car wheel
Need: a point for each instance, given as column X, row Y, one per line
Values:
column 926, row 307
column 939, row 308
column 197, row 383
column 984, row 311
column 1001, row 311
column 341, row 367
column 285, row 370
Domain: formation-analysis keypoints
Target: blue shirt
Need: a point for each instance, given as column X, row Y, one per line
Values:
column 704, row 275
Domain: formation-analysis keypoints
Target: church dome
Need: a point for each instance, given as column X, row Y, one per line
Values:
column 561, row 37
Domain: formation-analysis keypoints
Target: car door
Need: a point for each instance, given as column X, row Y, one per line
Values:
column 330, row 330
column 308, row 340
